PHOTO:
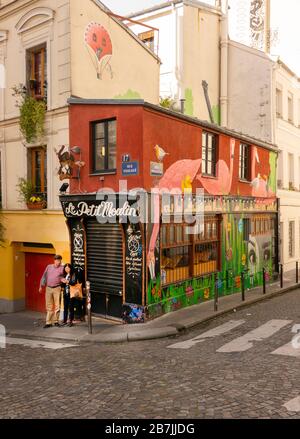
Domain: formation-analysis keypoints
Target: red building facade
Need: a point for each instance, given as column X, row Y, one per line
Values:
column 146, row 268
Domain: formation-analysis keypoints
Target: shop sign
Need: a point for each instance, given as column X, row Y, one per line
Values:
column 156, row 169
column 106, row 209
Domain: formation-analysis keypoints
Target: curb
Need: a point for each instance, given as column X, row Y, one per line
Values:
column 41, row 338
column 242, row 305
column 154, row 333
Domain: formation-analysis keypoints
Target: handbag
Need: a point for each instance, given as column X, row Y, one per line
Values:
column 76, row 291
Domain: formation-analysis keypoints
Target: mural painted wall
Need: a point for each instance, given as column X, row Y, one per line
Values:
column 99, row 44
column 246, row 254
column 246, row 242
column 110, row 56
column 237, row 256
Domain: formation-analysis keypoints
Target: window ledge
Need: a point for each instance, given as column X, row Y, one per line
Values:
column 102, row 173
column 241, row 180
column 214, row 177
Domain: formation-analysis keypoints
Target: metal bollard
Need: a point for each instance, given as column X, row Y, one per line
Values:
column 264, row 281
column 216, row 294
column 281, row 275
column 243, row 286
column 89, row 305
column 297, row 272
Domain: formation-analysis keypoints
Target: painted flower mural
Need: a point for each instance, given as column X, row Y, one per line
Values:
column 99, row 44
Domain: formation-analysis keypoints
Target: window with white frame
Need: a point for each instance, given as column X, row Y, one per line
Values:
column 290, row 107
column 299, row 173
column 244, row 164
column 291, row 171
column 279, row 102
column 209, row 154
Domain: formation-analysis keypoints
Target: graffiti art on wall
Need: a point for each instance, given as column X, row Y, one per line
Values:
column 257, row 23
column 261, row 184
column 133, row 263
column 174, row 297
column 99, row 45
column 247, row 235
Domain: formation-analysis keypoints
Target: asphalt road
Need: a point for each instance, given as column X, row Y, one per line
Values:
column 230, row 372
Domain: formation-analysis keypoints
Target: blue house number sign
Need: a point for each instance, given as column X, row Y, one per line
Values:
column 130, row 168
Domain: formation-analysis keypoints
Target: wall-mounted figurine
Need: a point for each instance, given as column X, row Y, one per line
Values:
column 67, row 164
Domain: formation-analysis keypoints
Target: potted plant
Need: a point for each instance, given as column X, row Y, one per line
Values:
column 29, row 196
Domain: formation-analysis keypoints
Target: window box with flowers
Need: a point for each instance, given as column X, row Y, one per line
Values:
column 28, row 195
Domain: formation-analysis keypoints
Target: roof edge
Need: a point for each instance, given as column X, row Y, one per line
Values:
column 165, row 4
column 204, row 123
column 127, row 29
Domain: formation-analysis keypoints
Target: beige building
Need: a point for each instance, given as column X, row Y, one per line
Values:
column 286, row 92
column 264, row 101
column 186, row 35
column 57, row 49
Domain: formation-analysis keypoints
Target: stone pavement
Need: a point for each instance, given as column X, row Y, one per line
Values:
column 30, row 324
column 149, row 380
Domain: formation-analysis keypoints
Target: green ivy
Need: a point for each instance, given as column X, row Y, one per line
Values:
column 32, row 114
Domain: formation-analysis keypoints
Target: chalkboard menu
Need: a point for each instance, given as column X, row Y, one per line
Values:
column 134, row 264
column 78, row 247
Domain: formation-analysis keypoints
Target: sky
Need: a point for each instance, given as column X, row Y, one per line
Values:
column 284, row 16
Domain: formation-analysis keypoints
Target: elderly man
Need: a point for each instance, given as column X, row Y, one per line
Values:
column 52, row 279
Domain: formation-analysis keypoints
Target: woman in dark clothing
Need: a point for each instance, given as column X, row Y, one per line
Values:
column 69, row 279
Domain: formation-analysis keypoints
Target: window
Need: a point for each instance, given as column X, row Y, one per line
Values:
column 37, row 72
column 148, row 39
column 246, row 229
column 260, row 225
column 290, row 107
column 104, row 141
column 38, row 170
column 291, row 171
column 299, row 172
column 186, row 255
column 279, row 102
column 209, row 154
column 280, row 170
column 244, row 168
column 291, row 239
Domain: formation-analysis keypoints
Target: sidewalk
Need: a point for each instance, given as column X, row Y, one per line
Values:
column 30, row 325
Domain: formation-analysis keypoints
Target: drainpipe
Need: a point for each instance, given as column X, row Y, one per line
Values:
column 267, row 36
column 224, row 65
column 178, row 38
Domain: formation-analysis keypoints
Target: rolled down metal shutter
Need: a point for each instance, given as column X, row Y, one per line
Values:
column 104, row 257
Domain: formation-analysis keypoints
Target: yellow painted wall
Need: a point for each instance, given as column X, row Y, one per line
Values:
column 36, row 227
column 135, row 70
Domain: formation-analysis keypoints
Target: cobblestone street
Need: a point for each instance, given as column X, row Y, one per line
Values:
column 149, row 380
